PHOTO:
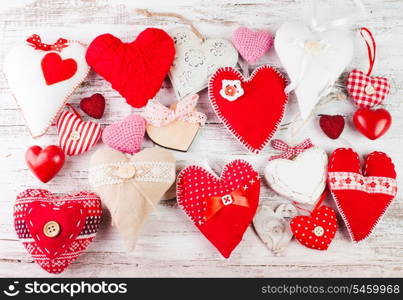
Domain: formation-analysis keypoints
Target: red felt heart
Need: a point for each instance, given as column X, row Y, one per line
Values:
column 137, row 69
column 213, row 205
column 72, row 220
column 75, row 135
column 255, row 115
column 55, row 69
column 332, row 126
column 362, row 198
column 45, row 163
column 93, row 106
column 365, row 90
column 372, row 123
column 317, row 230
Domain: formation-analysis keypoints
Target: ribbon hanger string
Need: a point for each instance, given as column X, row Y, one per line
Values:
column 371, row 47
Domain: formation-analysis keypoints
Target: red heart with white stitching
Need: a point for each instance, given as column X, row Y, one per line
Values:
column 367, row 91
column 361, row 197
column 221, row 208
column 55, row 230
column 253, row 108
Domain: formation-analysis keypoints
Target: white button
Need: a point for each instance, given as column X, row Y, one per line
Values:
column 75, row 136
column 126, row 171
column 369, row 90
column 318, row 231
column 226, row 200
column 51, row 229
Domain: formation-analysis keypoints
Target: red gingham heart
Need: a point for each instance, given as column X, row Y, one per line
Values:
column 367, row 91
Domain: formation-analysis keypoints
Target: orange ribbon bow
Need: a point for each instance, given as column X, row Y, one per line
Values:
column 216, row 203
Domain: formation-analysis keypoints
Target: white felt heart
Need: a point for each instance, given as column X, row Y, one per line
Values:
column 302, row 179
column 313, row 60
column 196, row 60
column 39, row 101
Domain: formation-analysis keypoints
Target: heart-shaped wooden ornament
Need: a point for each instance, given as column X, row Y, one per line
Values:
column 362, row 196
column 56, row 230
column 251, row 109
column 220, row 207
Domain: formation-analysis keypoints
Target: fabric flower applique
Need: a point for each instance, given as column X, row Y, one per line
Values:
column 231, row 89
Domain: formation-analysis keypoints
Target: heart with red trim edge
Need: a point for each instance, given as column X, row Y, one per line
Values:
column 45, row 163
column 137, row 69
column 317, row 230
column 372, row 123
column 251, row 109
column 93, row 106
column 332, row 126
column 362, row 197
column 221, row 207
column 75, row 135
column 56, row 230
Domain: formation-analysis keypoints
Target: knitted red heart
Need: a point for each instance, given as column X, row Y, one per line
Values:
column 93, row 106
column 137, row 69
column 317, row 230
column 372, row 123
column 221, row 208
column 75, row 135
column 362, row 198
column 365, row 90
column 55, row 69
column 253, row 108
column 55, row 230
column 332, row 126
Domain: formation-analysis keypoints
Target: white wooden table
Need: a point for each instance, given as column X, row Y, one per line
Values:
column 172, row 246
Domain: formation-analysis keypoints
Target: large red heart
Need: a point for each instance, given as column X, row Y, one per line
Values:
column 372, row 123
column 55, row 230
column 56, row 69
column 362, row 198
column 137, row 69
column 365, row 90
column 254, row 116
column 45, row 163
column 221, row 208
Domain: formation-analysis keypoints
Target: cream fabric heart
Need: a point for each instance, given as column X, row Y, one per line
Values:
column 131, row 186
column 196, row 60
column 302, row 179
column 41, row 103
column 313, row 60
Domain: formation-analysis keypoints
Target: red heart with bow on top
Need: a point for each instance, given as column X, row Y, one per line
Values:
column 137, row 69
column 317, row 230
column 361, row 197
column 221, row 208
column 75, row 135
column 56, row 69
column 367, row 91
column 55, row 230
column 372, row 123
column 253, row 108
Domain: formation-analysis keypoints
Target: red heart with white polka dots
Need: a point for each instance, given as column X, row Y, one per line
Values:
column 317, row 230
column 221, row 208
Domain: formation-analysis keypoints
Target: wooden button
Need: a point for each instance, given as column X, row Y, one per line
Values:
column 75, row 136
column 51, row 229
column 318, row 231
column 369, row 90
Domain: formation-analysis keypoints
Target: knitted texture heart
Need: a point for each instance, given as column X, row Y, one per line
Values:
column 75, row 135
column 221, row 208
column 362, row 197
column 332, row 126
column 137, row 69
column 372, row 123
column 93, row 106
column 367, row 91
column 317, row 230
column 131, row 187
column 252, row 45
column 251, row 109
column 126, row 135
column 56, row 230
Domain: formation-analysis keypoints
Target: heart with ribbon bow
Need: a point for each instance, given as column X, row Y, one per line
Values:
column 174, row 127
column 220, row 207
column 42, row 78
column 287, row 173
column 131, row 186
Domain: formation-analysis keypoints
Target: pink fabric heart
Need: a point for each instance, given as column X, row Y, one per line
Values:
column 252, row 45
column 126, row 135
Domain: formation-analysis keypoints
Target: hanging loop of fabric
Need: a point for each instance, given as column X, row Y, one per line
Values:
column 371, row 47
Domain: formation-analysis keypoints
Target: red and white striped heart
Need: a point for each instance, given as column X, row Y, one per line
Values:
column 75, row 135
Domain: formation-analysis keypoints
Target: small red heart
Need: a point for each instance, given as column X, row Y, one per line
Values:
column 372, row 123
column 93, row 106
column 332, row 126
column 317, row 230
column 45, row 163
column 56, row 69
